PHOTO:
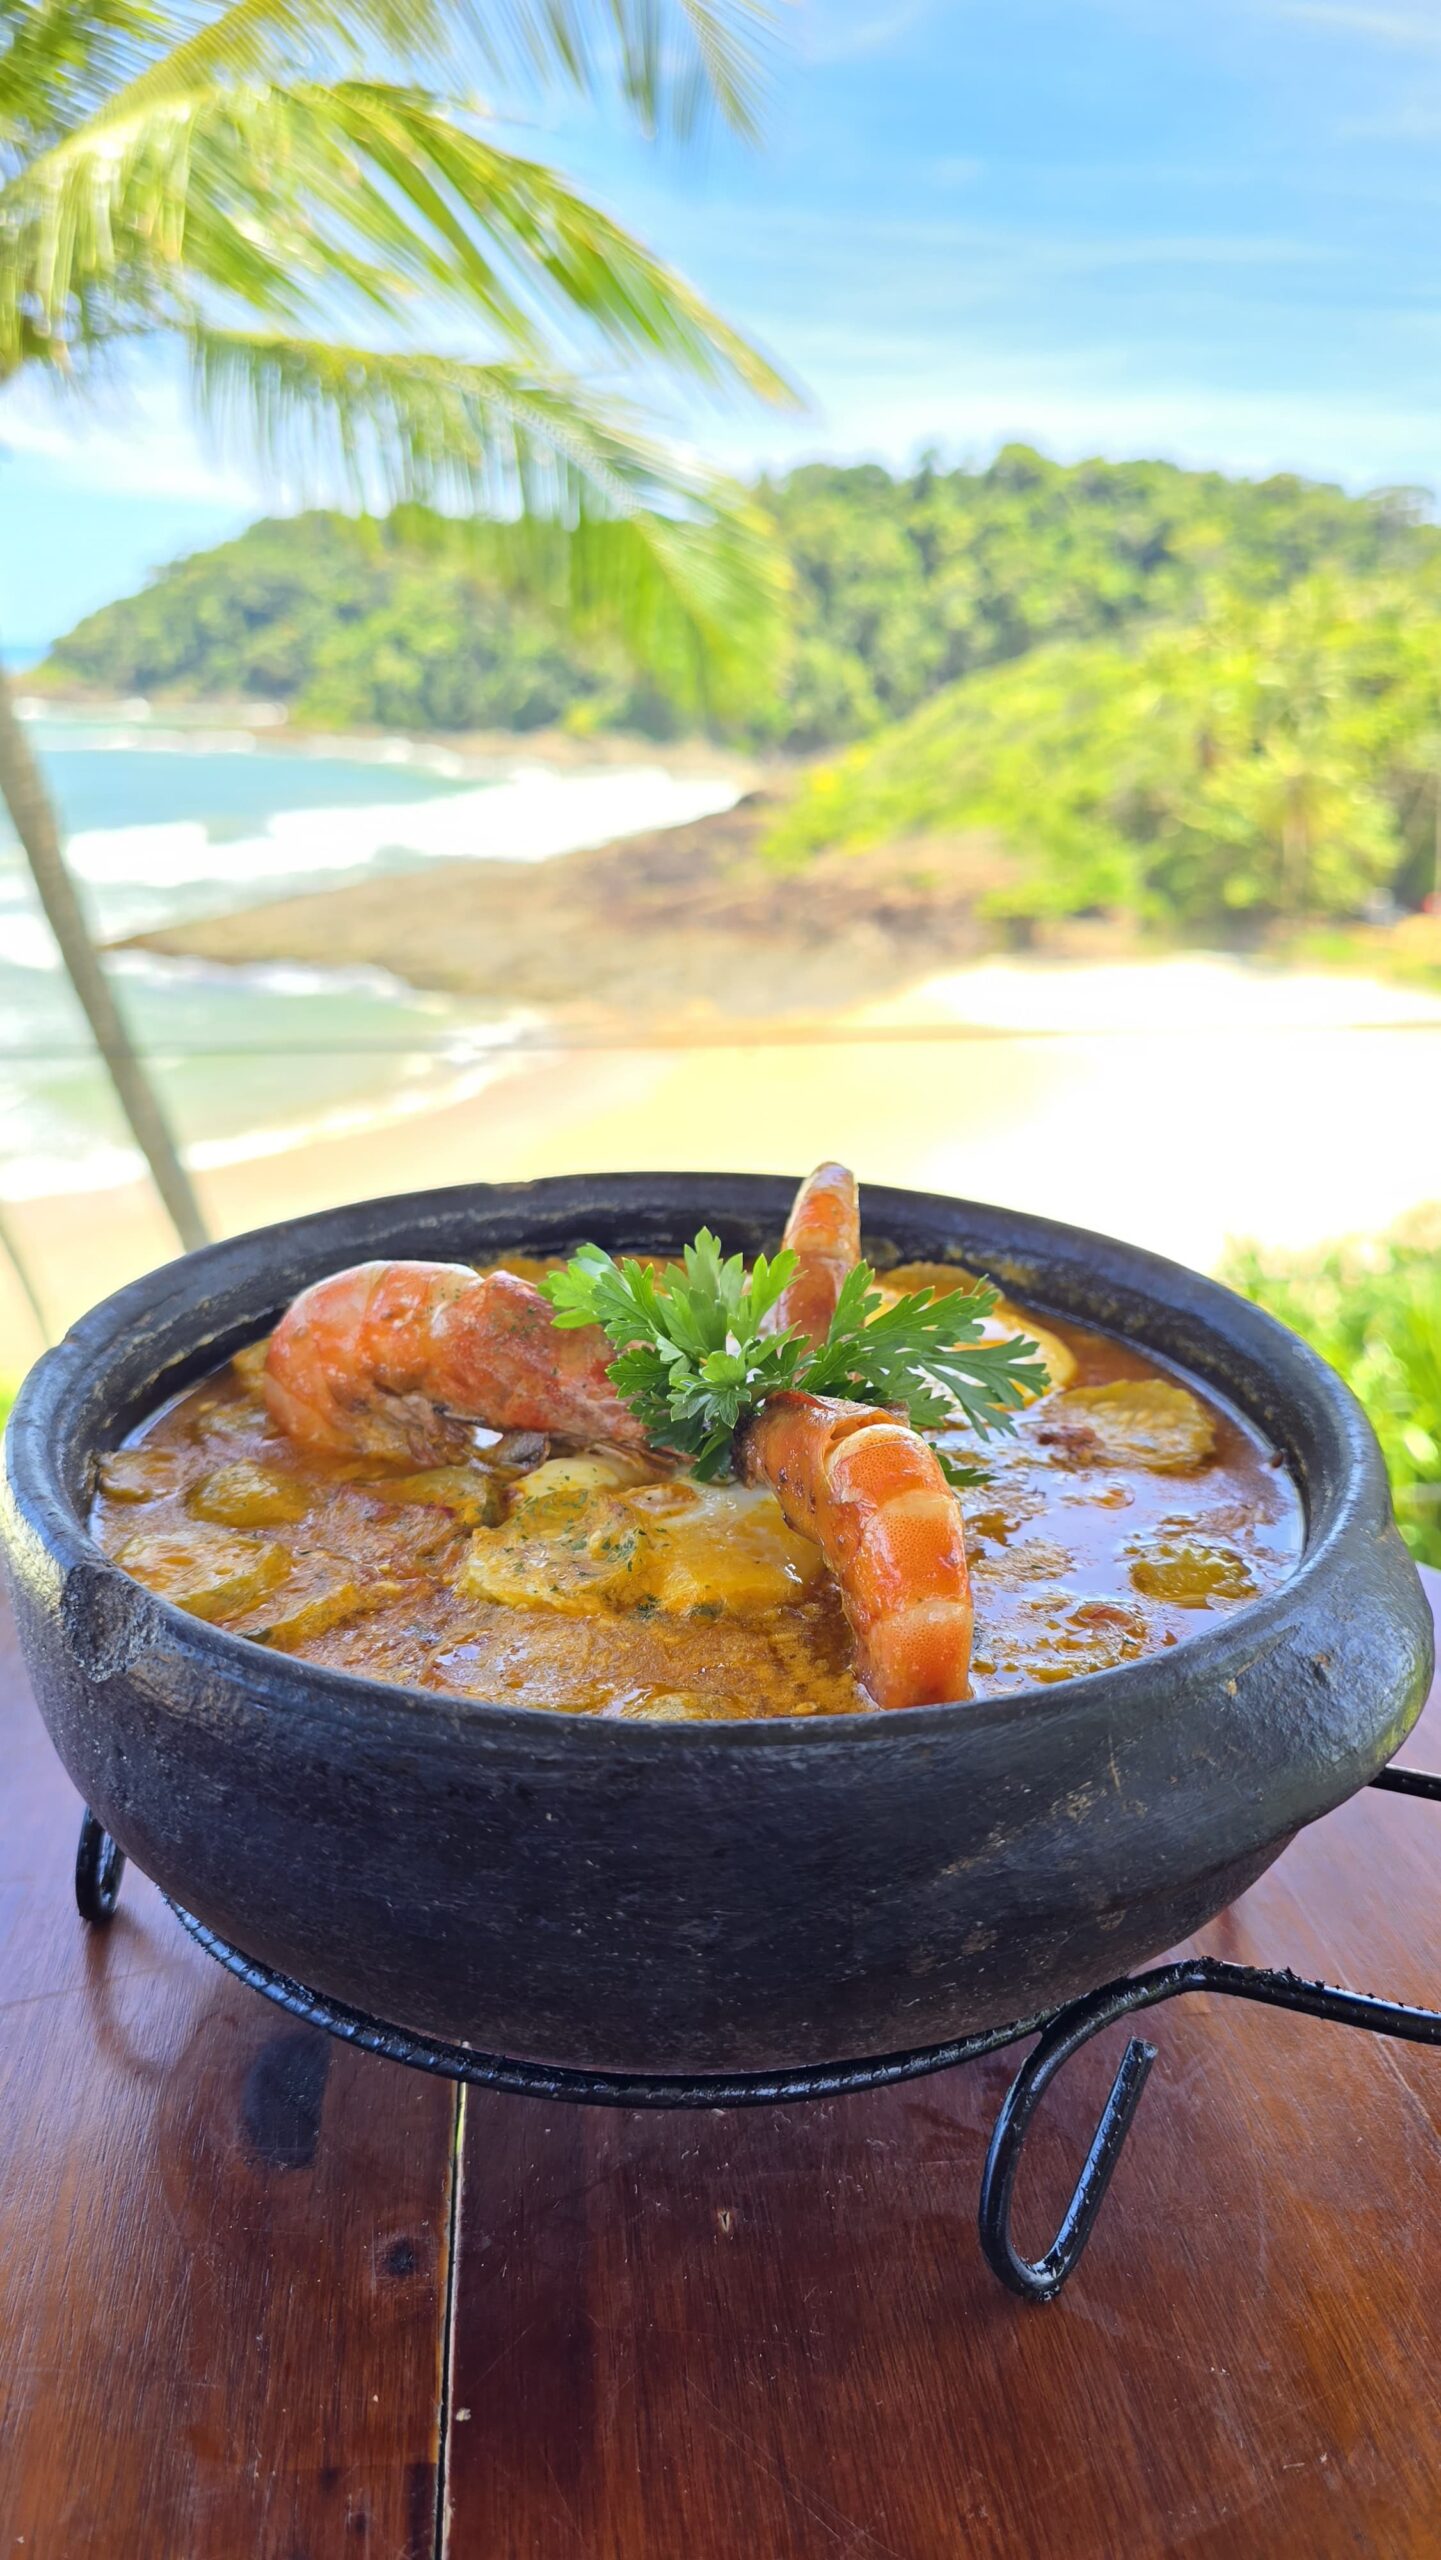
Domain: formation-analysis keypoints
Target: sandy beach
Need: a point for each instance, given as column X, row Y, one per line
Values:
column 1180, row 1102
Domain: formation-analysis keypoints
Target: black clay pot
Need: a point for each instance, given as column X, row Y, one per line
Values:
column 690, row 1898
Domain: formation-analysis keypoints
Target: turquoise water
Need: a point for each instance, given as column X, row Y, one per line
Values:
column 164, row 825
column 108, row 777
column 157, row 833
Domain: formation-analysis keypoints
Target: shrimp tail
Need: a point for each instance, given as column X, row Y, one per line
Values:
column 824, row 1232
column 870, row 1492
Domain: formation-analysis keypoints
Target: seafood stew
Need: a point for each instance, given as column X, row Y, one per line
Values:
column 715, row 1897
column 518, row 1537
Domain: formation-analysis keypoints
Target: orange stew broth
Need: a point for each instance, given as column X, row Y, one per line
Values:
column 1109, row 1528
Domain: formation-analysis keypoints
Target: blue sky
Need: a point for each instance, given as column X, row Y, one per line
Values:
column 1209, row 229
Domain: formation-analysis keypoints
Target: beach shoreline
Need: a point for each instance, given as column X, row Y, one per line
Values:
column 687, row 920
column 1147, row 1099
column 165, row 828
column 470, row 753
column 672, row 1000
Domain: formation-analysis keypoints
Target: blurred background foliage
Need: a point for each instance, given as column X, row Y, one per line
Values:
column 903, row 586
column 899, row 587
column 1374, row 1311
column 1274, row 756
column 1164, row 695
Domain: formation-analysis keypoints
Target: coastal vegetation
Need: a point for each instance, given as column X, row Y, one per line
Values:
column 1166, row 697
column 1374, row 1311
column 1274, row 756
column 902, row 586
column 351, row 626
column 897, row 586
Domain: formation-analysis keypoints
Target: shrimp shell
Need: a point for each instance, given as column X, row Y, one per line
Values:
column 870, row 1492
column 396, row 1357
column 824, row 1231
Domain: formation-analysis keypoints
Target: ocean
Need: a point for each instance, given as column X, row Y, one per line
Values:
column 162, row 824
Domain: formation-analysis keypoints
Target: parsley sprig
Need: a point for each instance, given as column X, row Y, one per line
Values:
column 692, row 1359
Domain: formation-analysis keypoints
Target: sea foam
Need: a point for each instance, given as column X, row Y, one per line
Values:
column 206, row 1026
column 530, row 816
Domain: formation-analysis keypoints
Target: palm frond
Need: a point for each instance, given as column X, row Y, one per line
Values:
column 672, row 63
column 265, row 41
column 696, row 600
column 554, row 239
column 560, row 500
column 60, row 60
column 170, row 166
column 401, row 426
column 271, row 196
column 670, row 60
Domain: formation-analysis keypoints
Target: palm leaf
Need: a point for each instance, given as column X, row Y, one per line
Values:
column 669, row 62
column 588, row 265
column 271, row 196
column 410, row 426
column 61, row 59
column 564, row 502
column 671, row 66
column 696, row 598
column 165, row 180
column 266, row 40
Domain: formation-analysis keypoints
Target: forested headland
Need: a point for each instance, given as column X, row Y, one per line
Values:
column 1162, row 694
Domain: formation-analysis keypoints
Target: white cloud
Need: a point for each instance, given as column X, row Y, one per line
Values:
column 788, row 242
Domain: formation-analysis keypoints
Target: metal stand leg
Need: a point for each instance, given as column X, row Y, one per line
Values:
column 1425, row 1783
column 1040, row 2279
column 99, row 1866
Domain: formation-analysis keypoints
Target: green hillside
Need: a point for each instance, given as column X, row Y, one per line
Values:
column 901, row 586
column 348, row 626
column 1273, row 756
column 905, row 585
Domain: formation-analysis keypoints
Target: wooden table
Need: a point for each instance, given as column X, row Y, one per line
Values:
column 263, row 2297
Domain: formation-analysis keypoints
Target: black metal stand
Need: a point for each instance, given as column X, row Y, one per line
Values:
column 100, row 1864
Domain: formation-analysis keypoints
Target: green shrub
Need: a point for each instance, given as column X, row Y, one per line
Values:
column 1268, row 758
column 1374, row 1311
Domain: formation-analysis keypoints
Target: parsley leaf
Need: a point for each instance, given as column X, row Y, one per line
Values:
column 692, row 1358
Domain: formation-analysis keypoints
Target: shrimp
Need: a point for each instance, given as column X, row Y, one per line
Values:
column 870, row 1492
column 396, row 1357
column 824, row 1231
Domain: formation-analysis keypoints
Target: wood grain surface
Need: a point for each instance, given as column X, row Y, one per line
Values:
column 226, row 2324
column 223, row 2237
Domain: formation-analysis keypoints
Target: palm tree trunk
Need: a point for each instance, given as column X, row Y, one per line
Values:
column 28, row 1290
column 25, row 797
